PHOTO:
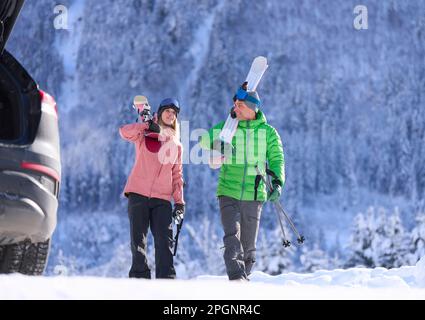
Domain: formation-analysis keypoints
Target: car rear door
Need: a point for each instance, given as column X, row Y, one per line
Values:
column 9, row 11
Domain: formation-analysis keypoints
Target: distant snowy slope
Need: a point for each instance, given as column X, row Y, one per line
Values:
column 356, row 283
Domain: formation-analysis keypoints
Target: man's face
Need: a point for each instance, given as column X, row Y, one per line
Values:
column 242, row 111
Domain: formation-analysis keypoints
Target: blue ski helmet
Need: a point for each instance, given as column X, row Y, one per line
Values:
column 251, row 98
column 168, row 103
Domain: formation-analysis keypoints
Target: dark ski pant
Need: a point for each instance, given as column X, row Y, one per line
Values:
column 240, row 220
column 156, row 213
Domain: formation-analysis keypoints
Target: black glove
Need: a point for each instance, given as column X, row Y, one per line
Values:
column 178, row 213
column 233, row 113
column 153, row 127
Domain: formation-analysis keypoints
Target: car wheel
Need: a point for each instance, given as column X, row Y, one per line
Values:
column 24, row 257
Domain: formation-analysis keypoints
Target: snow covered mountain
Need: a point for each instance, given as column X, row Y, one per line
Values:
column 349, row 105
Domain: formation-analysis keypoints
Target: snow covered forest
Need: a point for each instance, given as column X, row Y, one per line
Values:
column 348, row 104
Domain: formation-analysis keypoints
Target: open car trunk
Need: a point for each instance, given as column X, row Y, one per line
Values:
column 10, row 117
column 9, row 11
column 20, row 103
column 20, row 110
column 20, row 107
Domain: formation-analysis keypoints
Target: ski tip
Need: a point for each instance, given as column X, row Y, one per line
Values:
column 140, row 100
column 261, row 59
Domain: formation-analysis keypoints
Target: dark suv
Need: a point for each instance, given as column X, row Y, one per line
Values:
column 30, row 167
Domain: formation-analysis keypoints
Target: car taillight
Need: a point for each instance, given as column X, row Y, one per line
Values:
column 48, row 104
column 41, row 169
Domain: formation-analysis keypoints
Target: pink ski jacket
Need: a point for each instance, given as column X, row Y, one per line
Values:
column 155, row 175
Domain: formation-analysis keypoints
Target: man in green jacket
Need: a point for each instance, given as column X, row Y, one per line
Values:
column 240, row 192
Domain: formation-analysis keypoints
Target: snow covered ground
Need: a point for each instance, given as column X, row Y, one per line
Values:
column 356, row 283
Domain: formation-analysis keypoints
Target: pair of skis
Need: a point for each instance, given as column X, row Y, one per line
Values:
column 256, row 72
column 143, row 108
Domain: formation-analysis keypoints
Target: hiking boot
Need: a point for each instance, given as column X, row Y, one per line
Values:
column 241, row 279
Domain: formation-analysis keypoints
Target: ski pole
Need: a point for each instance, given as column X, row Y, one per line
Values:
column 286, row 242
column 300, row 238
column 176, row 238
column 278, row 206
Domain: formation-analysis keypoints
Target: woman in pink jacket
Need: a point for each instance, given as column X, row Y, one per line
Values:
column 155, row 180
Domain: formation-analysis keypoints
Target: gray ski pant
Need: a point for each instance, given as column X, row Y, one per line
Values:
column 240, row 220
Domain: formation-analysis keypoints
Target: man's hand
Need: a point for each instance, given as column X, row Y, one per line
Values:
column 274, row 195
column 178, row 213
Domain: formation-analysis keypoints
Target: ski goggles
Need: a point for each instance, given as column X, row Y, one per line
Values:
column 243, row 95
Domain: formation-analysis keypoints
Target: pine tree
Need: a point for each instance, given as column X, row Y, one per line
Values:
column 389, row 242
column 417, row 240
column 314, row 258
column 272, row 257
column 203, row 241
column 378, row 240
column 360, row 243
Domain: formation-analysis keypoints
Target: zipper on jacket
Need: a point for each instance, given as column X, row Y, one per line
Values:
column 157, row 176
column 246, row 159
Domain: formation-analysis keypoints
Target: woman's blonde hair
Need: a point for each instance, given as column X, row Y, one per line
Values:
column 175, row 126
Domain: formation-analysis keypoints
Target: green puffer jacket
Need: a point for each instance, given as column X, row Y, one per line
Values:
column 255, row 142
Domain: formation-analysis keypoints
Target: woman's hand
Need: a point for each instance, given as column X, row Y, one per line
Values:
column 178, row 213
column 153, row 126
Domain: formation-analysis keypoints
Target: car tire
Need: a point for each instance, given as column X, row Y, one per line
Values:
column 24, row 257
